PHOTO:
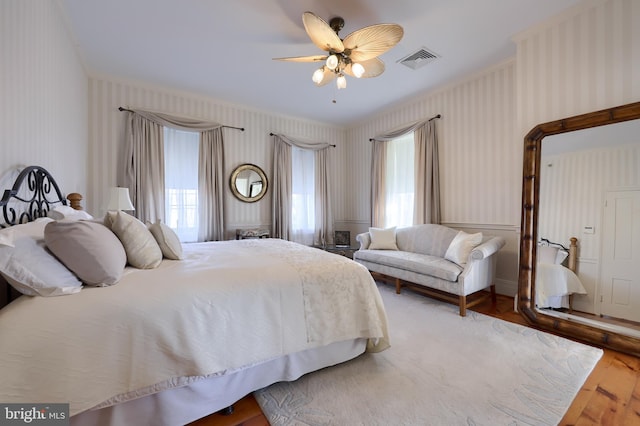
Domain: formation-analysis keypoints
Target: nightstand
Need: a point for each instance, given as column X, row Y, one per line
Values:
column 242, row 234
column 346, row 251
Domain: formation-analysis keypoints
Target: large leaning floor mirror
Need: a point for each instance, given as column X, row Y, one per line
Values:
column 580, row 246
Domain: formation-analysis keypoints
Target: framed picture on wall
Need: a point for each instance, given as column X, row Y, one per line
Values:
column 342, row 238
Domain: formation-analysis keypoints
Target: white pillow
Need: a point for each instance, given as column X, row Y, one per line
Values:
column 29, row 267
column 87, row 248
column 167, row 239
column 383, row 239
column 141, row 247
column 461, row 246
column 68, row 213
column 550, row 254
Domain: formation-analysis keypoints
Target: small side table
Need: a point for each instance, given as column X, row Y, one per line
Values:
column 346, row 251
column 242, row 234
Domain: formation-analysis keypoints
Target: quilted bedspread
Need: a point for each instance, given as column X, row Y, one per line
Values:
column 227, row 305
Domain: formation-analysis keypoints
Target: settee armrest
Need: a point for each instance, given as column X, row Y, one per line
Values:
column 364, row 239
column 487, row 248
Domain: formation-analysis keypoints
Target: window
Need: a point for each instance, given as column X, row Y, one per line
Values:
column 400, row 181
column 303, row 195
column 181, row 151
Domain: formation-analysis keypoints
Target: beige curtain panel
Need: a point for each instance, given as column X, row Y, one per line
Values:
column 282, row 189
column 427, row 187
column 378, row 181
column 144, row 168
column 211, row 186
column 427, row 175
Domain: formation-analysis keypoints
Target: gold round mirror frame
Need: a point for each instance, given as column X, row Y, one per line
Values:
column 529, row 231
column 248, row 183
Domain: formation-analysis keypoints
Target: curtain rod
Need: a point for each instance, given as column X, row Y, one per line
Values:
column 431, row 119
column 273, row 134
column 229, row 127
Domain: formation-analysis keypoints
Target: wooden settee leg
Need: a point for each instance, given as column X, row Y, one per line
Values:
column 398, row 285
column 494, row 299
column 463, row 306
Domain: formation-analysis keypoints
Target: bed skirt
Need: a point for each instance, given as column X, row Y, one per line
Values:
column 178, row 406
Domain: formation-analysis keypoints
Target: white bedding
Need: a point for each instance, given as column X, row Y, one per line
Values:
column 553, row 282
column 227, row 305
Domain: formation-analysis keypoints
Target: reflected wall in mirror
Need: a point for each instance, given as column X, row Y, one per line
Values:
column 581, row 179
column 248, row 183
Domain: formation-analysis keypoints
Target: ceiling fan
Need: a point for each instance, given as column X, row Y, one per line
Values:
column 356, row 55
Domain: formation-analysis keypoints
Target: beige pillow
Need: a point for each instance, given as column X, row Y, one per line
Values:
column 167, row 239
column 87, row 248
column 461, row 246
column 383, row 239
column 142, row 249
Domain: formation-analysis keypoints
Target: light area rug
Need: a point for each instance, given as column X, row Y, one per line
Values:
column 441, row 369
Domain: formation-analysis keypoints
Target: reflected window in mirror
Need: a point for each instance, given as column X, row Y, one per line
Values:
column 248, row 183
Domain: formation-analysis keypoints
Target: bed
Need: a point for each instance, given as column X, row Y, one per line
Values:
column 555, row 283
column 174, row 343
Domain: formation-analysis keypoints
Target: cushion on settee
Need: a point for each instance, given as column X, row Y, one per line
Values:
column 383, row 239
column 461, row 246
column 415, row 262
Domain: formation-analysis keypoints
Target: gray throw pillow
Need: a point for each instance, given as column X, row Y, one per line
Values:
column 87, row 248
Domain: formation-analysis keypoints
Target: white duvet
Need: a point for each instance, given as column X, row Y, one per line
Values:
column 225, row 306
column 554, row 281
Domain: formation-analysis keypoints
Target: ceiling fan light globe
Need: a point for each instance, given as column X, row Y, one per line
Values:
column 358, row 70
column 341, row 82
column 318, row 75
column 332, row 62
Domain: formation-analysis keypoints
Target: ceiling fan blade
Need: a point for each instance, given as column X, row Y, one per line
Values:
column 321, row 34
column 315, row 58
column 372, row 68
column 373, row 41
column 328, row 77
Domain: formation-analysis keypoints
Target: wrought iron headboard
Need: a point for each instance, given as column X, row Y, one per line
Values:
column 39, row 194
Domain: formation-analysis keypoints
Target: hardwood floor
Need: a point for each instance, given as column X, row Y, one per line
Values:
column 610, row 395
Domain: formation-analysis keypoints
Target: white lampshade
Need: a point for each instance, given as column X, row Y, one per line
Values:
column 341, row 82
column 332, row 62
column 119, row 199
column 318, row 75
column 357, row 69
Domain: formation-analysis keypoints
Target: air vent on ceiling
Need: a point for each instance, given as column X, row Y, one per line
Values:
column 419, row 58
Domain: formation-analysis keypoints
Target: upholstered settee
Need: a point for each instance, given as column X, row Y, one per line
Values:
column 433, row 259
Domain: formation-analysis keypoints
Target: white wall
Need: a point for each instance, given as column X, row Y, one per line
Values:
column 254, row 145
column 43, row 95
column 583, row 60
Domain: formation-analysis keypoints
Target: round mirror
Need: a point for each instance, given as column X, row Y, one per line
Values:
column 248, row 183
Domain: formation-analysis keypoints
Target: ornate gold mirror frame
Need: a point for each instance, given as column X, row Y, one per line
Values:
column 248, row 183
column 529, row 231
